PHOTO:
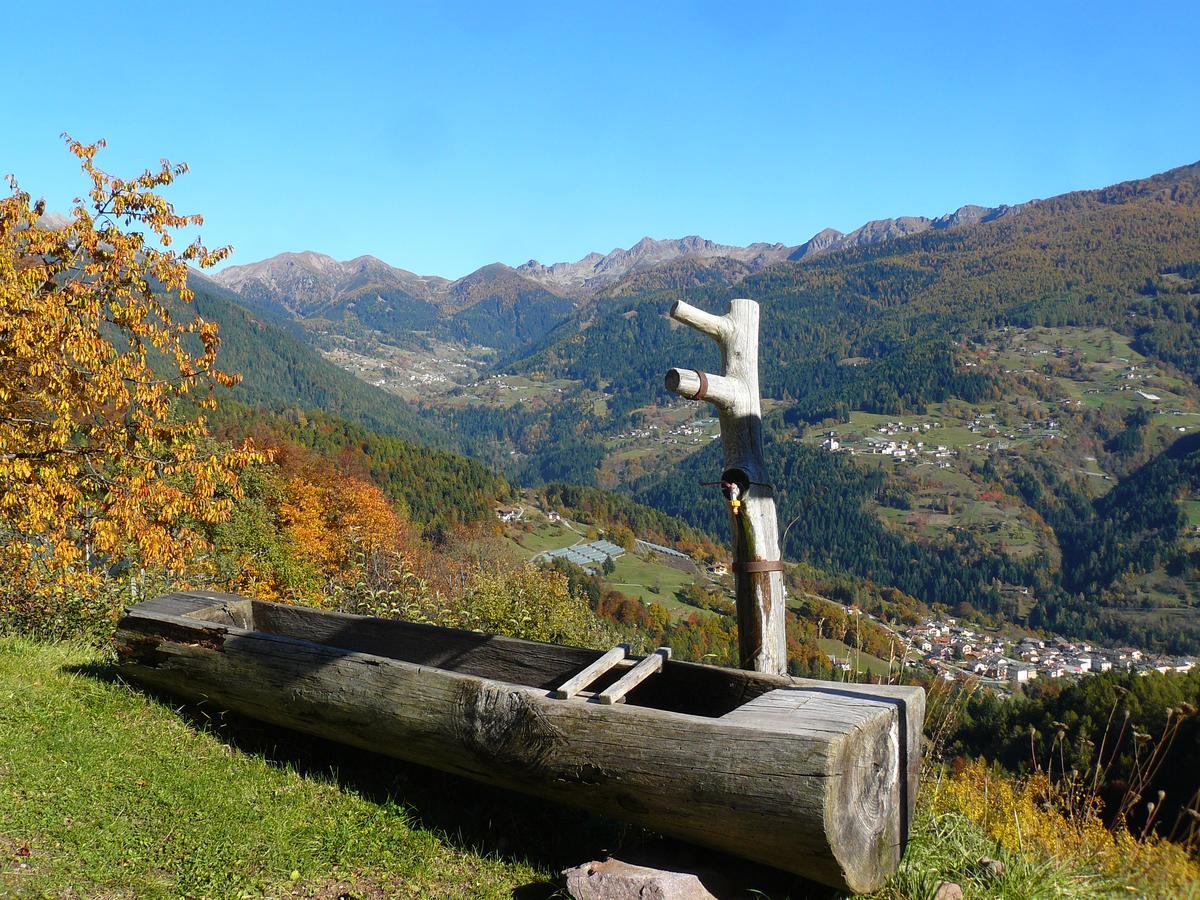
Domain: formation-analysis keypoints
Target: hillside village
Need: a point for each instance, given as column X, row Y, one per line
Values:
column 952, row 649
column 1075, row 369
column 696, row 431
column 956, row 650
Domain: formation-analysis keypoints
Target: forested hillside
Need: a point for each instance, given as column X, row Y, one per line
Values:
column 436, row 488
column 943, row 327
column 1031, row 342
column 1086, row 258
column 281, row 371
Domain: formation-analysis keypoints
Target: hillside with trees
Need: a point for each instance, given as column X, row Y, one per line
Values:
column 928, row 326
column 127, row 470
column 281, row 371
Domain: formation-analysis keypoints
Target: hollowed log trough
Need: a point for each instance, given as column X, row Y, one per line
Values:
column 816, row 778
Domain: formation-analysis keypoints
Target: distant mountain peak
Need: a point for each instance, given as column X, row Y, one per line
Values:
column 830, row 239
column 306, row 283
column 596, row 272
column 311, row 285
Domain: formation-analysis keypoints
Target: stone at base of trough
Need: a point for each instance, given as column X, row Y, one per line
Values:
column 616, row 880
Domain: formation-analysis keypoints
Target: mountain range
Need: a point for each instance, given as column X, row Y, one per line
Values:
column 940, row 317
column 498, row 305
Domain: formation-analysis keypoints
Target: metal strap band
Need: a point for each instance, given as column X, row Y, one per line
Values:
column 759, row 565
column 703, row 392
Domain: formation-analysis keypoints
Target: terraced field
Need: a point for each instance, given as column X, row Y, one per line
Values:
column 643, row 576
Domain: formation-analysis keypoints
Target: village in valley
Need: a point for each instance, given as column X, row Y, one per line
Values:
column 951, row 648
column 955, row 650
column 1056, row 374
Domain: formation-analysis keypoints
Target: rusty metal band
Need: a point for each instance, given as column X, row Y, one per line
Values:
column 703, row 392
column 759, row 565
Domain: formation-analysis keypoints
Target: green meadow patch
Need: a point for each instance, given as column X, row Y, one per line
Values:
column 105, row 791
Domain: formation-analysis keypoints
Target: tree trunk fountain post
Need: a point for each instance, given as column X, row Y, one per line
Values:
column 757, row 568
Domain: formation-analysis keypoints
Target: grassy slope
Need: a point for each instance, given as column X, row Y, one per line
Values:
column 652, row 582
column 634, row 575
column 116, row 793
column 862, row 662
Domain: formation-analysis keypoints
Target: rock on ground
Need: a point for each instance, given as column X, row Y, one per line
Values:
column 616, row 880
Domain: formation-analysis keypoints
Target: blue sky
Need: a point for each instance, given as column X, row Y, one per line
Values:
column 440, row 137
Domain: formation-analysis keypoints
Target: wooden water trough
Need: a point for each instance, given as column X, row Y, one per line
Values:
column 817, row 778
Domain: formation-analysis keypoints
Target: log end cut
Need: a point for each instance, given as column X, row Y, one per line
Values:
column 850, row 826
column 865, row 818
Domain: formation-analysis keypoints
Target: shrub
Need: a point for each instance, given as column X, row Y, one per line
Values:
column 1036, row 815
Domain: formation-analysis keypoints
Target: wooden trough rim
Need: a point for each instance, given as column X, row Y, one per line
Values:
column 198, row 620
column 211, row 630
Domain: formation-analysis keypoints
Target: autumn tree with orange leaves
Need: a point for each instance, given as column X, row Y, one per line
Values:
column 100, row 460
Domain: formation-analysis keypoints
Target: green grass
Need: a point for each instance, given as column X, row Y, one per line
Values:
column 862, row 662
column 633, row 575
column 544, row 536
column 1097, row 345
column 117, row 794
column 636, row 453
column 106, row 791
column 510, row 390
column 948, row 848
column 637, row 577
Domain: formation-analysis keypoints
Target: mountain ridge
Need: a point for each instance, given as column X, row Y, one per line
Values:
column 308, row 284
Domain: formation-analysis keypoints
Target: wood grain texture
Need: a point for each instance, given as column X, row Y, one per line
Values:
column 761, row 602
column 573, row 686
column 806, row 776
column 651, row 665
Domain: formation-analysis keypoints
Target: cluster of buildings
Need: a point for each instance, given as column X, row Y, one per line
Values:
column 888, row 440
column 957, row 651
column 891, row 439
column 413, row 377
column 404, row 372
column 693, row 432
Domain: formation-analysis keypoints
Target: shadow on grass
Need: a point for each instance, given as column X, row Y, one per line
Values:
column 475, row 817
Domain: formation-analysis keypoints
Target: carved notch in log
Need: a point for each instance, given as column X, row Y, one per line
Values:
column 758, row 574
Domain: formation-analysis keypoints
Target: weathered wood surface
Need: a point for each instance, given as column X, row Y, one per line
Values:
column 573, row 686
column 651, row 665
column 761, row 603
column 807, row 776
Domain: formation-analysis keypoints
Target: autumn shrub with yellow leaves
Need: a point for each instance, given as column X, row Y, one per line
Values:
column 1036, row 816
column 516, row 600
column 100, row 465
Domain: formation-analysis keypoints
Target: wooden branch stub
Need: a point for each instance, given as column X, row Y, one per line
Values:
column 735, row 395
column 716, row 327
column 693, row 384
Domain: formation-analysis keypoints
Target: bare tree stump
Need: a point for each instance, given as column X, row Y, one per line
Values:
column 757, row 569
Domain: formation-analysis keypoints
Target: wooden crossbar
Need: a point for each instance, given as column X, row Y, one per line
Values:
column 616, row 692
column 579, row 681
